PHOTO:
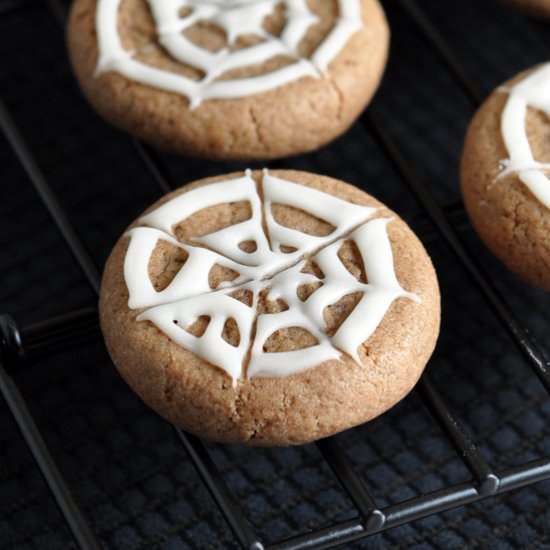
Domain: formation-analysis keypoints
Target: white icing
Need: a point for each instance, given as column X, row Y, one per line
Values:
column 189, row 295
column 533, row 91
column 210, row 346
column 339, row 213
column 236, row 18
column 284, row 286
column 189, row 281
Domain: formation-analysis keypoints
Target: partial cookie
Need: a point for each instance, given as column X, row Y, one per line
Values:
column 229, row 80
column 534, row 7
column 269, row 308
column 504, row 172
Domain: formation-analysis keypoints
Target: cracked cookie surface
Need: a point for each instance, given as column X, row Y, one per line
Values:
column 316, row 402
column 297, row 116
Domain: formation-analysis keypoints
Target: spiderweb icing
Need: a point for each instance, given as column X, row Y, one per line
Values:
column 532, row 91
column 236, row 18
column 277, row 267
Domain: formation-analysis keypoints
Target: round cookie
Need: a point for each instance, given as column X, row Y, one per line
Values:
column 229, row 80
column 539, row 8
column 238, row 307
column 504, row 174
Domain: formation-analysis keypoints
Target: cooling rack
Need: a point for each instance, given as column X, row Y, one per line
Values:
column 29, row 343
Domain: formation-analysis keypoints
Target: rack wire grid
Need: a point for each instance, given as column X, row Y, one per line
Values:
column 474, row 428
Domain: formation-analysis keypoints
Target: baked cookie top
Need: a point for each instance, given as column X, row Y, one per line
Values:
column 505, row 171
column 530, row 92
column 266, row 258
column 200, row 63
column 252, row 79
column 269, row 307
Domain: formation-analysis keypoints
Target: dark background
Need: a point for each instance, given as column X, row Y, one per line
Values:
column 123, row 463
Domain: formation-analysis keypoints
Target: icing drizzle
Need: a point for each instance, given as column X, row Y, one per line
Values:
column 236, row 18
column 532, row 91
column 269, row 268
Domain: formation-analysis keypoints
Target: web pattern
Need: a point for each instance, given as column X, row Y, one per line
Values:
column 236, row 18
column 277, row 265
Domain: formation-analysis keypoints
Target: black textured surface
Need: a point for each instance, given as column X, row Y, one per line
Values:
column 126, row 468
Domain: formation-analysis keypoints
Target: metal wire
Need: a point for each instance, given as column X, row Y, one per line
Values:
column 30, row 431
column 488, row 482
column 48, row 198
column 417, row 508
column 372, row 516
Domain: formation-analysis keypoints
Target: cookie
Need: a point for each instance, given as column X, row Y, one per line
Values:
column 539, row 8
column 504, row 174
column 252, row 79
column 269, row 308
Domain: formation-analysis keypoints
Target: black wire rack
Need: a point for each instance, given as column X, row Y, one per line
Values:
column 49, row 336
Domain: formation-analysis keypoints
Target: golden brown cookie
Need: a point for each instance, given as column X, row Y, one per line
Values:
column 234, row 80
column 504, row 174
column 269, row 308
